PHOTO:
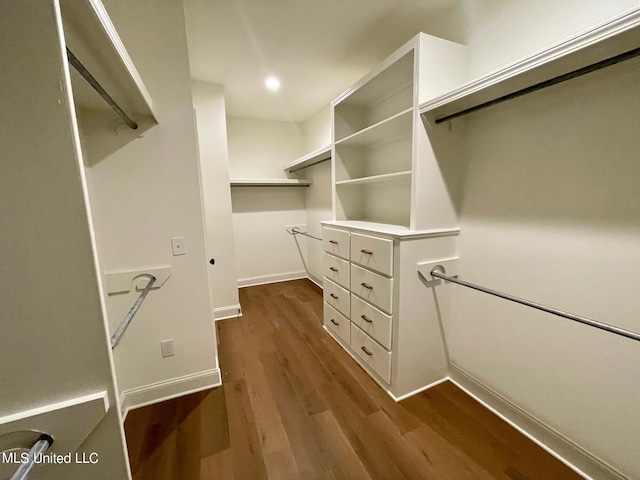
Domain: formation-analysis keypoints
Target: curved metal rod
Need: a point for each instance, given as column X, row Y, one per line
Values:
column 296, row 231
column 570, row 316
column 115, row 338
column 41, row 446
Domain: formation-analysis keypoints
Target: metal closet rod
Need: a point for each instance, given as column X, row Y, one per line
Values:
column 42, row 445
column 576, row 318
column 296, row 231
column 115, row 338
column 73, row 60
column 547, row 83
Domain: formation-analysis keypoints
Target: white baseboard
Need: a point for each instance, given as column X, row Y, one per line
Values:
column 222, row 313
column 314, row 279
column 575, row 457
column 415, row 392
column 277, row 277
column 168, row 389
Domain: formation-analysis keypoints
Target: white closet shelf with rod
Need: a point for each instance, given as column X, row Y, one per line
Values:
column 603, row 45
column 269, row 182
column 314, row 158
column 124, row 282
column 447, row 270
column 97, row 53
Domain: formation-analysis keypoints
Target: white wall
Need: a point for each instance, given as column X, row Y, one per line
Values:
column 209, row 105
column 550, row 212
column 503, row 31
column 143, row 194
column 316, row 135
column 264, row 250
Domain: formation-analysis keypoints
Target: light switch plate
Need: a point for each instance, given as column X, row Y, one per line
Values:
column 177, row 246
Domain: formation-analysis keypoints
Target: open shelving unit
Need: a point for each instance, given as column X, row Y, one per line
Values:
column 381, row 158
column 602, row 45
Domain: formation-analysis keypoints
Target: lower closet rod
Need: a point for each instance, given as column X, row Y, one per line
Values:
column 296, row 231
column 115, row 338
column 437, row 273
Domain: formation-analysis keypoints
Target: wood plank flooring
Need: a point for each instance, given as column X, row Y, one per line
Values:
column 294, row 405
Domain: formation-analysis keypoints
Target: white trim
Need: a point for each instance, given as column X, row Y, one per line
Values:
column 273, row 278
column 572, row 455
column 168, row 389
column 222, row 313
column 420, row 390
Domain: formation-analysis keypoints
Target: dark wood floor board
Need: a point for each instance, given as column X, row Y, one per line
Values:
column 344, row 461
column 502, row 431
column 310, row 456
column 248, row 462
column 295, row 405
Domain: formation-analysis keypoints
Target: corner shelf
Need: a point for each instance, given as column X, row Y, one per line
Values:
column 93, row 39
column 269, row 182
column 385, row 178
column 609, row 39
column 313, row 158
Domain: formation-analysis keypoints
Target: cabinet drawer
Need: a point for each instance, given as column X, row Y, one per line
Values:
column 337, row 297
column 372, row 252
column 372, row 354
column 336, row 242
column 374, row 288
column 337, row 323
column 372, row 321
column 336, row 269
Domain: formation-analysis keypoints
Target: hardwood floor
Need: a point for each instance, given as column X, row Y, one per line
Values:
column 294, row 405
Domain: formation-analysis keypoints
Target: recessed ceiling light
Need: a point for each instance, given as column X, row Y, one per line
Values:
column 272, row 84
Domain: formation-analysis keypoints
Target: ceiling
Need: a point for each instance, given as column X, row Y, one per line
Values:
column 318, row 48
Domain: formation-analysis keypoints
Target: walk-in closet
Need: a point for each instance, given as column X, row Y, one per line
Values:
column 319, row 240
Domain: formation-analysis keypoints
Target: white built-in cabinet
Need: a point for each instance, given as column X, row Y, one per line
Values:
column 392, row 209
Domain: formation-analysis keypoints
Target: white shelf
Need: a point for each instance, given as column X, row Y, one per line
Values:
column 387, row 177
column 391, row 128
column 614, row 37
column 310, row 159
column 269, row 182
column 91, row 36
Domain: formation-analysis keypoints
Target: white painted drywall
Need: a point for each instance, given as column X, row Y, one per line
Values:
column 264, row 250
column 54, row 344
column 317, row 134
column 148, row 191
column 550, row 212
column 503, row 31
column 209, row 105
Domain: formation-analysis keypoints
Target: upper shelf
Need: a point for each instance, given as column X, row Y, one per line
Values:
column 91, row 36
column 269, row 182
column 609, row 39
column 312, row 158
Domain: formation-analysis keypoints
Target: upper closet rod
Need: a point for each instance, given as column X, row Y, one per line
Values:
column 438, row 273
column 547, row 83
column 98, row 88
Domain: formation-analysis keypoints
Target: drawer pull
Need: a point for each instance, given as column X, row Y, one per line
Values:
column 333, row 295
column 367, row 286
column 333, row 269
column 366, row 252
column 334, row 322
column 364, row 349
column 333, row 241
column 366, row 319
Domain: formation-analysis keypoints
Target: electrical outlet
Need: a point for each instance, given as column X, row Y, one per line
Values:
column 167, row 348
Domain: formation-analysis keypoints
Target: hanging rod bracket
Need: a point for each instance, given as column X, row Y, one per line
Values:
column 448, row 266
column 124, row 282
